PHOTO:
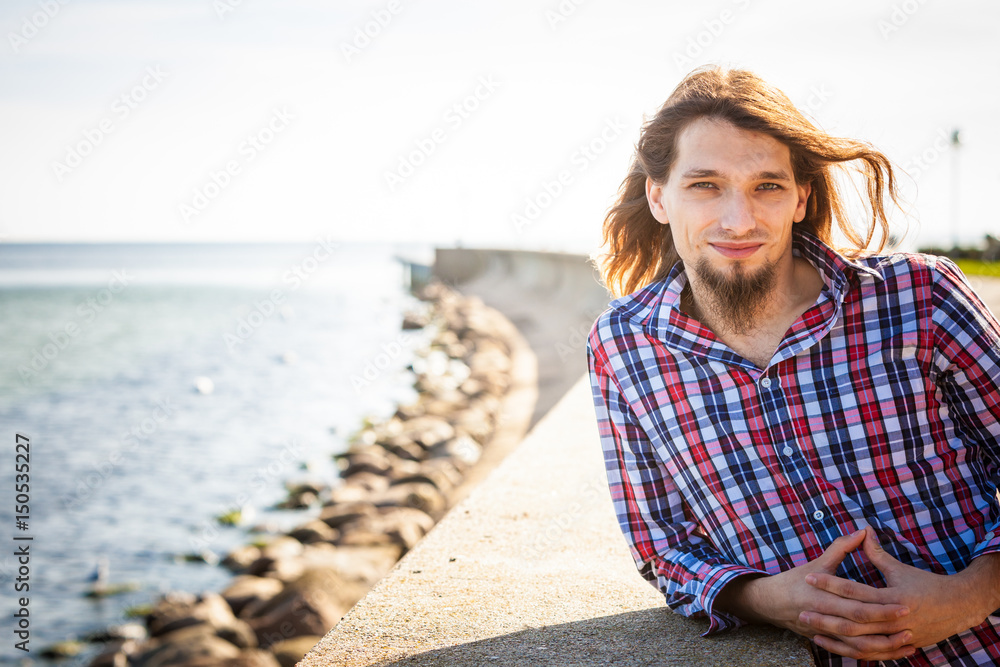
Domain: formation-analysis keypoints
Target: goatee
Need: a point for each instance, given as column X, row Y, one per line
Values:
column 739, row 298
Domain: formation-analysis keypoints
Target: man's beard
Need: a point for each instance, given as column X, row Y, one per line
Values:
column 737, row 299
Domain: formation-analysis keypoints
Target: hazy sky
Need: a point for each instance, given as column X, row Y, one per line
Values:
column 491, row 124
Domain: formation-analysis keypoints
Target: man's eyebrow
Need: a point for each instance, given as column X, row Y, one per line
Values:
column 759, row 176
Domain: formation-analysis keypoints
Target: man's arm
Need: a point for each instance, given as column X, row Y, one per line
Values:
column 668, row 548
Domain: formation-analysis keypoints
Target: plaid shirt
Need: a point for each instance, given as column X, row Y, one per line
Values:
column 879, row 407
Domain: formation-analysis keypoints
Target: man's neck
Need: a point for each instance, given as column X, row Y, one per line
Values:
column 795, row 289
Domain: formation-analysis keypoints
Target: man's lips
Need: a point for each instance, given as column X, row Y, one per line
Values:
column 733, row 250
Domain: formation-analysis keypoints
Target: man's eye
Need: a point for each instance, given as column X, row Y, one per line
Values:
column 702, row 185
column 770, row 186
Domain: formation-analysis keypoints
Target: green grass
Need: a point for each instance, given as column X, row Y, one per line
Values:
column 972, row 267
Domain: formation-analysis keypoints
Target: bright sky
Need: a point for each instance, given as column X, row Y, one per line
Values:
column 490, row 124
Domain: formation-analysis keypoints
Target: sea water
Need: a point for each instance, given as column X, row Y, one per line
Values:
column 163, row 386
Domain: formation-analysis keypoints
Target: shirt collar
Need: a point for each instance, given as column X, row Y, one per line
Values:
column 656, row 307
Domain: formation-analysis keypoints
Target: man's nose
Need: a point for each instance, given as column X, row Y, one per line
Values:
column 737, row 216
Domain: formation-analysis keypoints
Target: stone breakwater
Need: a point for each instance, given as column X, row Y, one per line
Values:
column 398, row 477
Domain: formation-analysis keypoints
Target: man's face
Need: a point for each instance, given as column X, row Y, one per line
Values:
column 730, row 200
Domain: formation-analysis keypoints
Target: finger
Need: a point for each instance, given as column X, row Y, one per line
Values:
column 879, row 557
column 867, row 648
column 830, row 559
column 851, row 590
column 844, row 626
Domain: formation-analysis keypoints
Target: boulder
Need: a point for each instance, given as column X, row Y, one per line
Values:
column 310, row 605
column 463, row 451
column 247, row 590
column 174, row 612
column 336, row 515
column 314, row 531
column 420, row 495
column 186, row 646
column 290, row 651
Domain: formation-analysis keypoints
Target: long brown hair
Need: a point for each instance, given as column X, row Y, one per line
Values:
column 641, row 250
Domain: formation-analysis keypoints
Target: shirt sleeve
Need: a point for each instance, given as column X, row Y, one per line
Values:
column 967, row 358
column 669, row 549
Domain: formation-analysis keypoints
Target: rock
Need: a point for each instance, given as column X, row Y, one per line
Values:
column 60, row 650
column 185, row 647
column 283, row 568
column 290, row 651
column 349, row 493
column 310, row 605
column 247, row 590
column 250, row 658
column 362, row 537
column 428, row 431
column 403, row 447
column 239, row 634
column 282, row 547
column 239, row 559
column 441, row 480
column 116, row 653
column 337, row 515
column 298, row 500
column 463, row 451
column 363, row 564
column 368, row 481
column 172, row 614
column 420, row 495
column 314, row 531
column 117, row 632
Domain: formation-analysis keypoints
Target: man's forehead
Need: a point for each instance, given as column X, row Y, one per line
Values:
column 708, row 144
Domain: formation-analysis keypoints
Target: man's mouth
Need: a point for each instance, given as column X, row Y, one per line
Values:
column 736, row 250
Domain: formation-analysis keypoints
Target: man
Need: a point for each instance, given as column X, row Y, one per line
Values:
column 794, row 435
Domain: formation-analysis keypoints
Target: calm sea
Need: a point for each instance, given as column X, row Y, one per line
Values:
column 163, row 385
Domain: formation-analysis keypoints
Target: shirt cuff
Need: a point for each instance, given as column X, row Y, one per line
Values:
column 990, row 543
column 721, row 621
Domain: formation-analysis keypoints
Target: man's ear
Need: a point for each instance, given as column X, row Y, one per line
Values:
column 804, row 191
column 654, row 195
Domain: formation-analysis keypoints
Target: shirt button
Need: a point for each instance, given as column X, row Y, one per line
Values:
column 765, row 383
column 787, row 451
column 818, row 515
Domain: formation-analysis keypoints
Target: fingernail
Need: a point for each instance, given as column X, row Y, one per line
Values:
column 811, row 579
column 902, row 612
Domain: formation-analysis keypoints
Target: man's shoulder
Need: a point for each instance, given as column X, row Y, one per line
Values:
column 910, row 270
column 625, row 318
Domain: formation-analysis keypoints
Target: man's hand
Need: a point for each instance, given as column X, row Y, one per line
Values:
column 791, row 601
column 939, row 605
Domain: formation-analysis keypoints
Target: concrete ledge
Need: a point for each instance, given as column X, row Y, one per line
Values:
column 532, row 569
